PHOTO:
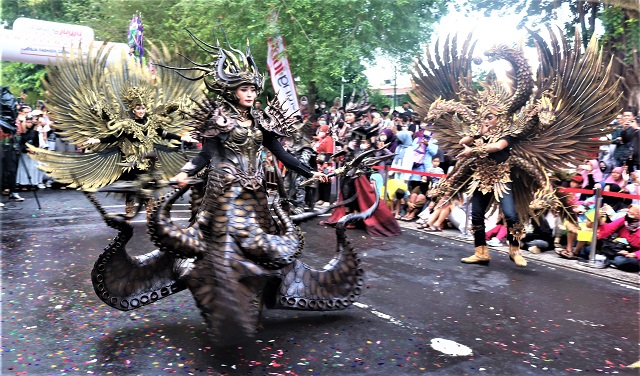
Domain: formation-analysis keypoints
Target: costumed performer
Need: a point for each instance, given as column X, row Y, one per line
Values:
column 510, row 139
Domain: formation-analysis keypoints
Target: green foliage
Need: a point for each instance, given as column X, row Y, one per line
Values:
column 622, row 32
column 326, row 41
column 20, row 76
column 379, row 100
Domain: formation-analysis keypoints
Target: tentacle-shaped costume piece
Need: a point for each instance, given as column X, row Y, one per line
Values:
column 271, row 251
column 337, row 286
column 126, row 282
column 172, row 238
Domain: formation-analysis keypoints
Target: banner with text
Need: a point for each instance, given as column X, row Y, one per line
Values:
column 281, row 77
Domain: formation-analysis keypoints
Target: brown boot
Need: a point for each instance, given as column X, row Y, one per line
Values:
column 516, row 256
column 480, row 257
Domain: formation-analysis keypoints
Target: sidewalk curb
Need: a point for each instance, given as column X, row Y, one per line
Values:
column 548, row 258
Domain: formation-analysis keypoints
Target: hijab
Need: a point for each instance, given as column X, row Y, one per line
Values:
column 391, row 139
column 611, row 180
column 595, row 172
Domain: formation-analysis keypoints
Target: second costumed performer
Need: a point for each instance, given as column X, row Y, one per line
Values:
column 509, row 139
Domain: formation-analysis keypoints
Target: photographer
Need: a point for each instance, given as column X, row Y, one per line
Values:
column 629, row 122
column 423, row 150
column 10, row 143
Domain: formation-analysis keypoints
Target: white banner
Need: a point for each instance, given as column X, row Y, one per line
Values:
column 281, row 77
column 52, row 32
column 40, row 42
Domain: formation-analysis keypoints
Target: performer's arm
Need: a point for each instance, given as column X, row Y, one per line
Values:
column 466, row 140
column 484, row 149
column 270, row 141
column 196, row 164
column 172, row 136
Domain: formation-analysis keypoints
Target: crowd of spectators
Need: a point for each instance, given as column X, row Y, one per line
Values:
column 32, row 126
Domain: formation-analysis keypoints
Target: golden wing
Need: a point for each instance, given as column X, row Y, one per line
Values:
column 77, row 96
column 575, row 101
column 439, row 81
column 171, row 160
column 176, row 95
column 87, row 170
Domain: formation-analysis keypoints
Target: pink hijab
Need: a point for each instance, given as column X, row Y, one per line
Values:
column 595, row 172
column 611, row 180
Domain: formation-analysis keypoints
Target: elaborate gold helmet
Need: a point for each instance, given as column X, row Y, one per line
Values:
column 494, row 99
column 137, row 95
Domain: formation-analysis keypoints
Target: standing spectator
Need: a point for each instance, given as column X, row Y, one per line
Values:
column 423, row 151
column 406, row 109
column 624, row 150
column 10, row 145
column 258, row 105
column 607, row 151
column 619, row 154
column 634, row 187
column 629, row 117
column 324, row 147
column 387, row 122
column 321, row 108
column 29, row 176
column 389, row 137
column 404, row 156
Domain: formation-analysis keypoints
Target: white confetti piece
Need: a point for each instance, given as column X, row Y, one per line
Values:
column 449, row 347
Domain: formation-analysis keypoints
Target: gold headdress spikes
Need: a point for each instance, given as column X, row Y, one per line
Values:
column 135, row 95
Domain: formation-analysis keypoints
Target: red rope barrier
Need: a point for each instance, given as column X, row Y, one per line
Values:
column 604, row 193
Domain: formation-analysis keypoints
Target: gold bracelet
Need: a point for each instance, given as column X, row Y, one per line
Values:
column 480, row 151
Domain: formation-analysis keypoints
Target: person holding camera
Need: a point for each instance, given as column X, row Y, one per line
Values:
column 629, row 121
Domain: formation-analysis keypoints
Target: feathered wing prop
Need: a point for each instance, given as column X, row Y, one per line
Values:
column 566, row 117
column 559, row 122
column 441, row 80
column 92, row 98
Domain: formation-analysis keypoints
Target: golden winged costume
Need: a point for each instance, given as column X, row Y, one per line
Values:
column 92, row 97
column 546, row 123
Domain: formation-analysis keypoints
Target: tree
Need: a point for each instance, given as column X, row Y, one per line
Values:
column 620, row 40
column 326, row 41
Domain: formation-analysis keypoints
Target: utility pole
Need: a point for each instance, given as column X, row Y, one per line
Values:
column 395, row 84
column 341, row 91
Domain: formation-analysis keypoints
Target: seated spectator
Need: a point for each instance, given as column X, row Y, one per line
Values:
column 618, row 176
column 395, row 199
column 540, row 237
column 578, row 235
column 497, row 233
column 414, row 204
column 605, row 169
column 616, row 203
column 453, row 213
column 624, row 229
column 435, row 169
column 634, row 187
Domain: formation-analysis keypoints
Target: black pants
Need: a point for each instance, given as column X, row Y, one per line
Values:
column 10, row 160
column 479, row 205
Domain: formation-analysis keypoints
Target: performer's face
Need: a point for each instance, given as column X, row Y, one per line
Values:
column 489, row 122
column 139, row 111
column 246, row 95
column 349, row 117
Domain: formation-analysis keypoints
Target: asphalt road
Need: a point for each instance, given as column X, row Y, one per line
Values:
column 422, row 311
